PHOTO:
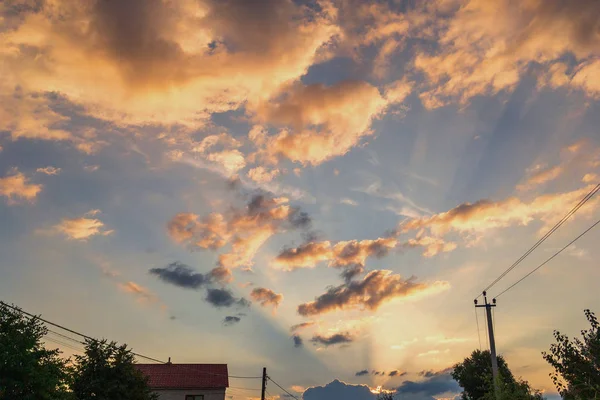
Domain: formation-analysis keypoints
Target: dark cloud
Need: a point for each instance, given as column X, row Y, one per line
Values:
column 379, row 373
column 352, row 271
column 266, row 297
column 298, row 342
column 299, row 219
column 338, row 338
column 224, row 298
column 181, row 275
column 377, row 287
column 297, row 327
column 362, row 373
column 231, row 320
column 396, row 373
column 435, row 383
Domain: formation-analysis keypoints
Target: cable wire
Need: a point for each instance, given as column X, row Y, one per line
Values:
column 546, row 236
column 478, row 330
column 280, row 387
column 549, row 259
column 96, row 340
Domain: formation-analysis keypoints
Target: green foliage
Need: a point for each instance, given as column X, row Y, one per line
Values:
column 519, row 390
column 474, row 375
column 107, row 372
column 29, row 371
column 577, row 363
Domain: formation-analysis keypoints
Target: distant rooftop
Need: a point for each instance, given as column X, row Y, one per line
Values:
column 185, row 376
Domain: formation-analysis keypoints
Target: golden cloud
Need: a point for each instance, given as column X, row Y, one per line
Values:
column 141, row 293
column 82, row 228
column 156, row 61
column 340, row 254
column 266, row 297
column 484, row 215
column 542, row 176
column 377, row 288
column 245, row 229
column 486, row 46
column 49, row 170
column 318, row 122
column 262, row 175
column 16, row 187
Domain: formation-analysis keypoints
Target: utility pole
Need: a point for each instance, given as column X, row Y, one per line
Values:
column 490, row 324
column 264, row 383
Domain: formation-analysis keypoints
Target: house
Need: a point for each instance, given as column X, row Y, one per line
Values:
column 187, row 381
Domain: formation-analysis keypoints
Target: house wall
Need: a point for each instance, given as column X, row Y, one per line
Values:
column 215, row 394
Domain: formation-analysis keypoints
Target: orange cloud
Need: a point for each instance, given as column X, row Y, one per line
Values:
column 377, row 287
column 262, row 175
column 486, row 46
column 82, row 228
column 484, row 215
column 245, row 229
column 16, row 186
column 318, row 122
column 49, row 170
column 340, row 254
column 175, row 57
column 266, row 297
column 542, row 176
column 141, row 293
column 433, row 246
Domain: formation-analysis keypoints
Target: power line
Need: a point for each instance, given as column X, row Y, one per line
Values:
column 549, row 259
column 280, row 387
column 96, row 340
column 546, row 236
column 478, row 331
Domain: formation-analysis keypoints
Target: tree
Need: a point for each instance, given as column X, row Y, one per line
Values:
column 577, row 363
column 29, row 371
column 106, row 372
column 474, row 375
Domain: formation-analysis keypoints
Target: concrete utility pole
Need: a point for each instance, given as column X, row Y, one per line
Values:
column 490, row 324
column 264, row 383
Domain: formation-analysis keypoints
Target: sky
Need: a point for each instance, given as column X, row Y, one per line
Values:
column 319, row 187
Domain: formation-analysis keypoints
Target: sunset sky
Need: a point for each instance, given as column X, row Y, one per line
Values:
column 321, row 187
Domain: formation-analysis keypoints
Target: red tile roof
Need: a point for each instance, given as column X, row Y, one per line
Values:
column 185, row 376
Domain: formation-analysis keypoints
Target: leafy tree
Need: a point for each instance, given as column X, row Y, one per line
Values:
column 474, row 375
column 577, row 363
column 519, row 390
column 29, row 371
column 107, row 372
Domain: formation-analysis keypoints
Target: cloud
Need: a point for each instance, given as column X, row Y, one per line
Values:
column 432, row 245
column 298, row 342
column 541, row 176
column 266, row 297
column 224, row 298
column 49, row 170
column 143, row 294
column 486, row 47
column 434, row 384
column 340, row 254
column 337, row 338
column 303, row 325
column 245, row 229
column 339, row 390
column 175, row 57
column 231, row 160
column 16, row 187
column 362, row 373
column 262, row 175
column 590, row 178
column 231, row 320
column 318, row 122
column 349, row 202
column 397, row 373
column 181, row 275
column 81, row 228
column 376, row 288
column 472, row 219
